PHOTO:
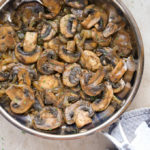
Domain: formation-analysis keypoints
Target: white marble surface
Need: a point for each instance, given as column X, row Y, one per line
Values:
column 12, row 138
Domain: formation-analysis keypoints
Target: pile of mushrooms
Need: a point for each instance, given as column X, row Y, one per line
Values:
column 64, row 61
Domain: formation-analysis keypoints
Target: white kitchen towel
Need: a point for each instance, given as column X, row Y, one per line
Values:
column 132, row 131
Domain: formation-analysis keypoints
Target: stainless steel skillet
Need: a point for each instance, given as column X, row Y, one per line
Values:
column 137, row 79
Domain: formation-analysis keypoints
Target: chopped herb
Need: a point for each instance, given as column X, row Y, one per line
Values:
column 25, row 102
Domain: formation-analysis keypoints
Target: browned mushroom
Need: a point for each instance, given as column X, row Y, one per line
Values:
column 48, row 118
column 68, row 56
column 48, row 82
column 47, row 63
column 71, row 117
column 50, row 98
column 7, row 39
column 102, row 104
column 112, row 13
column 125, row 91
column 27, row 57
column 90, row 60
column 71, row 46
column 49, row 30
column 119, row 86
column 71, row 75
column 83, row 114
column 77, row 3
column 90, row 44
column 29, row 14
column 123, row 41
column 22, row 98
column 95, row 16
column 131, row 67
column 30, row 41
column 53, row 6
column 91, row 83
column 24, row 77
column 110, row 29
column 118, row 71
column 68, row 25
column 99, row 38
column 53, row 44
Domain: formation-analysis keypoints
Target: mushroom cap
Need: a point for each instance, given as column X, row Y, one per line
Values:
column 54, row 7
column 68, row 25
column 90, row 60
column 102, row 104
column 47, row 63
column 22, row 98
column 27, row 57
column 68, row 56
column 4, row 76
column 91, row 83
column 48, row 82
column 48, row 118
column 7, row 40
column 71, row 75
column 72, row 113
column 49, row 30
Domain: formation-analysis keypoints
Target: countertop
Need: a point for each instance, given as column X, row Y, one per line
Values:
column 12, row 138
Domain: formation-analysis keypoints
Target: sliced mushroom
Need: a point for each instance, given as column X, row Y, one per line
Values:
column 70, row 97
column 76, row 3
column 24, row 77
column 78, row 13
column 68, row 56
column 110, row 29
column 71, row 46
column 48, row 118
column 53, row 44
column 99, row 38
column 7, row 39
column 90, row 60
column 27, row 57
column 100, row 26
column 102, row 104
column 29, row 14
column 68, row 25
column 90, row 45
column 4, row 76
column 30, row 41
column 91, row 83
column 112, row 13
column 49, row 30
column 47, row 63
column 70, row 112
column 48, row 82
column 53, row 6
column 83, row 114
column 94, row 14
column 50, row 98
column 119, row 86
column 118, row 71
column 131, row 67
column 22, row 98
column 71, row 75
column 125, row 91
column 123, row 41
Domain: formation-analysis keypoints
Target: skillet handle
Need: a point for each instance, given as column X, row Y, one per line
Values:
column 124, row 145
